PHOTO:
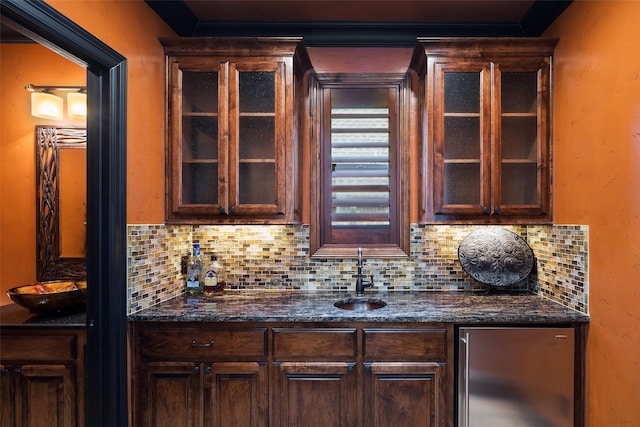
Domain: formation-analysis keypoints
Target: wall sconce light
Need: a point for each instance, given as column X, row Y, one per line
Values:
column 46, row 105
column 77, row 105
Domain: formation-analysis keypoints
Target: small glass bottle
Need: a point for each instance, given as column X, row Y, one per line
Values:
column 194, row 272
column 211, row 277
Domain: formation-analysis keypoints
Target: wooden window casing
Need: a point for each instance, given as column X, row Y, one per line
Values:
column 360, row 165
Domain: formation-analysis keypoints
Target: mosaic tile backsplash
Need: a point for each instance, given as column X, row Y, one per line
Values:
column 277, row 257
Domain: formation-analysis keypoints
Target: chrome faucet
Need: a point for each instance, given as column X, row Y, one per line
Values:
column 361, row 284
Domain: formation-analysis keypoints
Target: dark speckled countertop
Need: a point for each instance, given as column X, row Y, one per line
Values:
column 12, row 315
column 308, row 306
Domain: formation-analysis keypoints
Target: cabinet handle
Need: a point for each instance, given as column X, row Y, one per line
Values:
column 463, row 391
column 206, row 344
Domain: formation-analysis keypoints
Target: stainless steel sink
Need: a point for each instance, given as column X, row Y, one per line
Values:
column 360, row 304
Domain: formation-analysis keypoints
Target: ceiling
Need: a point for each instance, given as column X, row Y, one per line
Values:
column 351, row 22
column 359, row 22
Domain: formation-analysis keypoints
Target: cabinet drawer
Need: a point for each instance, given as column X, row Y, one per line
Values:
column 39, row 347
column 317, row 344
column 405, row 344
column 193, row 344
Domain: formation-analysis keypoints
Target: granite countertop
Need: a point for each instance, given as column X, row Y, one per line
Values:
column 12, row 315
column 310, row 306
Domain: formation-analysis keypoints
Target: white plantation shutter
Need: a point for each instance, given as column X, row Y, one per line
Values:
column 360, row 167
column 359, row 187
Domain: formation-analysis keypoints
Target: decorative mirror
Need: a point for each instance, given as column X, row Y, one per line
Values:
column 60, row 203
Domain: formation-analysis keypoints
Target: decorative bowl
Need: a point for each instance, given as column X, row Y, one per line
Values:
column 51, row 297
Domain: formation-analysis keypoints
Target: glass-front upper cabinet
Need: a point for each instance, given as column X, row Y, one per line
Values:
column 233, row 136
column 486, row 153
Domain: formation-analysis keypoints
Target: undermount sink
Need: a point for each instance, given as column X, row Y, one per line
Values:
column 360, row 304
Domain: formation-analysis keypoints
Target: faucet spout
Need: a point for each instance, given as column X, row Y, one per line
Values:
column 361, row 284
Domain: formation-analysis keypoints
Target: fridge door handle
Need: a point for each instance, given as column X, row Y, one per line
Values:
column 463, row 385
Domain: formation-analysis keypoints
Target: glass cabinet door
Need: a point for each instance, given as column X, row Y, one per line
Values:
column 461, row 136
column 197, row 127
column 520, row 134
column 256, row 142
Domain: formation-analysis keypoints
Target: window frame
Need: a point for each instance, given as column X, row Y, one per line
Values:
column 399, row 247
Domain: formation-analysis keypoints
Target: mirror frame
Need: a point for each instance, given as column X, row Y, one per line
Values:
column 50, row 265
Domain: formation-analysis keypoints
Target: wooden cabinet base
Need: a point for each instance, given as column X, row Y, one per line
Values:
column 346, row 374
column 42, row 377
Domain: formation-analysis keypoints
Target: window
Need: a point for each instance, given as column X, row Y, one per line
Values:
column 361, row 165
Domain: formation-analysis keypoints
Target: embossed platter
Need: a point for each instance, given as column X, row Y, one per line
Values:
column 495, row 256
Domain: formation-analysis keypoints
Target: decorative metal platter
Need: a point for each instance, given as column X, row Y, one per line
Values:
column 495, row 256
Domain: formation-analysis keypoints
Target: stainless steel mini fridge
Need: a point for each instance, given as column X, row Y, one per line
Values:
column 515, row 377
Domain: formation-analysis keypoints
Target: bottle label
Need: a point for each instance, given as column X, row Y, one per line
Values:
column 211, row 278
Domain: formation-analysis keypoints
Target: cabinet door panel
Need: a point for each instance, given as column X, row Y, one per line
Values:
column 236, row 395
column 197, row 126
column 310, row 394
column 256, row 137
column 520, row 176
column 171, row 395
column 45, row 389
column 461, row 135
column 7, row 393
column 404, row 394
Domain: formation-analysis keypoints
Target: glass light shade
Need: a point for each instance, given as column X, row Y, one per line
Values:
column 77, row 105
column 46, row 106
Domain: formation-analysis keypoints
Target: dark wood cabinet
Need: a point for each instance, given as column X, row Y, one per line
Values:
column 405, row 394
column 195, row 394
column 42, row 377
column 406, row 375
column 486, row 154
column 199, row 375
column 314, row 380
column 291, row 374
column 308, row 394
column 234, row 129
column 173, row 394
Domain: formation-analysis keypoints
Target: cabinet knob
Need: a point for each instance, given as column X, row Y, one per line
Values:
column 232, row 209
column 195, row 370
column 496, row 210
column 220, row 209
column 486, row 209
column 207, row 369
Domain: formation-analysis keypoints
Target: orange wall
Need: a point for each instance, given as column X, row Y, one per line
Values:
column 20, row 65
column 132, row 29
column 597, row 183
column 596, row 164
